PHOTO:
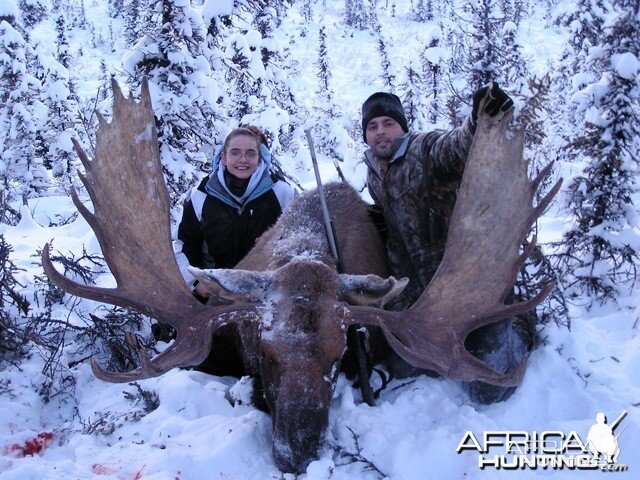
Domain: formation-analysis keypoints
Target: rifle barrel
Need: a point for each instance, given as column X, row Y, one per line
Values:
column 323, row 202
column 618, row 420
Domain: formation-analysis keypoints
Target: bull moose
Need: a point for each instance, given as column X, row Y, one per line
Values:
column 286, row 300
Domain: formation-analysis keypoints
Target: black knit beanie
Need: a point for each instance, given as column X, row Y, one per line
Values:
column 382, row 104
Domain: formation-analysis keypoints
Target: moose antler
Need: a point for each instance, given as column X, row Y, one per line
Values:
column 131, row 222
column 493, row 214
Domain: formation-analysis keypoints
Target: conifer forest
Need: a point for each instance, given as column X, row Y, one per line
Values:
column 572, row 68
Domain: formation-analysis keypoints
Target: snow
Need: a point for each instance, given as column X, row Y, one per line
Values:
column 626, row 64
column 216, row 8
column 10, row 35
column 196, row 432
column 8, row 8
column 509, row 27
column 435, row 54
column 416, row 426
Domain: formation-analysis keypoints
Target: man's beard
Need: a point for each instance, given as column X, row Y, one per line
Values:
column 386, row 152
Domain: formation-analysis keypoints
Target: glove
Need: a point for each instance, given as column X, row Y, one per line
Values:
column 499, row 101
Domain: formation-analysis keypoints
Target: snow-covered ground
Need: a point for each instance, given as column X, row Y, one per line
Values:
column 104, row 430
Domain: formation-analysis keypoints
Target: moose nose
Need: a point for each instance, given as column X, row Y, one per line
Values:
column 296, row 436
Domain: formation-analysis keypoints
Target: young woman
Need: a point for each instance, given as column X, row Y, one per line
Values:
column 225, row 214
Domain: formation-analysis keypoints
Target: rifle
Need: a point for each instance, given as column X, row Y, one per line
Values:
column 618, row 420
column 330, row 230
column 359, row 340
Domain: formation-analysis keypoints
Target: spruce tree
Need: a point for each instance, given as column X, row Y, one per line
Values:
column 483, row 54
column 62, row 42
column 306, row 11
column 423, row 10
column 387, row 76
column 60, row 124
column 412, row 91
column 432, row 59
column 171, row 56
column 324, row 71
column 21, row 172
column 241, row 77
column 515, row 10
column 116, row 8
column 32, row 12
column 487, row 52
column 217, row 24
column 276, row 85
column 515, row 68
column 329, row 135
column 13, row 305
column 105, row 82
column 356, row 14
column 583, row 21
column 79, row 16
column 134, row 24
column 601, row 249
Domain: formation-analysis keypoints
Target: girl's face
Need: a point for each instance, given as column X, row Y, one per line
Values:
column 242, row 156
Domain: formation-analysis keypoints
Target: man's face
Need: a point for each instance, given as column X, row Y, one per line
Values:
column 381, row 134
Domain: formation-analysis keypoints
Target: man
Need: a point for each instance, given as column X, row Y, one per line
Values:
column 413, row 180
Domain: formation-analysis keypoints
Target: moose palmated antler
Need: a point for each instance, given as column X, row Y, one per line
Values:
column 493, row 214
column 131, row 221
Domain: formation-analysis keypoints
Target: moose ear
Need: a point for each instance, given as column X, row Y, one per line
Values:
column 237, row 285
column 370, row 290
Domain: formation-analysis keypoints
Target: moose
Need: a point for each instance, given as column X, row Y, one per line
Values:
column 286, row 301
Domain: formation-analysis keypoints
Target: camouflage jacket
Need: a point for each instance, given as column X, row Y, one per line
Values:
column 417, row 195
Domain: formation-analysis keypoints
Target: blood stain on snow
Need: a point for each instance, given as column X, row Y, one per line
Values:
column 138, row 474
column 29, row 447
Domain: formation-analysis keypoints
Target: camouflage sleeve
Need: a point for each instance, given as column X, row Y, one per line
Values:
column 374, row 197
column 445, row 152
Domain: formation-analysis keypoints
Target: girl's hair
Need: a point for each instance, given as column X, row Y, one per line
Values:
column 249, row 131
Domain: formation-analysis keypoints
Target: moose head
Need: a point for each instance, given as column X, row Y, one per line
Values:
column 290, row 305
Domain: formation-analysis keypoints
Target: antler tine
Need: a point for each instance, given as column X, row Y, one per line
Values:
column 145, row 93
column 81, row 154
column 102, row 122
column 84, row 211
column 191, row 349
column 146, row 365
column 546, row 201
column 542, row 174
column 119, row 101
column 502, row 311
column 459, row 365
column 526, row 253
column 78, row 289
